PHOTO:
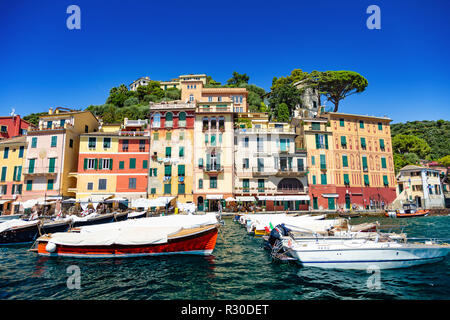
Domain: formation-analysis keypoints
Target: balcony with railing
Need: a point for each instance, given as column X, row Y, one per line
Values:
column 134, row 133
column 290, row 172
column 53, row 126
column 213, row 168
column 265, row 130
column 41, row 171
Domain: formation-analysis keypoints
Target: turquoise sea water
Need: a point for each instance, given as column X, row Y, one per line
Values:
column 238, row 269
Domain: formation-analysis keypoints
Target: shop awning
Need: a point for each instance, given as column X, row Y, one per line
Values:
column 230, row 199
column 214, row 196
column 285, row 198
column 330, row 195
column 248, row 198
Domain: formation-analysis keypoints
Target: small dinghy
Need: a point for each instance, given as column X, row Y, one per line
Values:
column 409, row 211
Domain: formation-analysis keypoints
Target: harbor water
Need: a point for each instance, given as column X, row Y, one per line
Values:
column 238, row 269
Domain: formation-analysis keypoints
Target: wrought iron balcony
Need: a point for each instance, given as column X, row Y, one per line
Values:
column 42, row 171
column 213, row 168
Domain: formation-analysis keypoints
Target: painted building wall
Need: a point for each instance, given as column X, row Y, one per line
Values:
column 172, row 147
column 12, row 156
column 13, row 126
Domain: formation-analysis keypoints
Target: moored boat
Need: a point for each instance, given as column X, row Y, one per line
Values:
column 92, row 219
column 409, row 211
column 132, row 241
column 363, row 253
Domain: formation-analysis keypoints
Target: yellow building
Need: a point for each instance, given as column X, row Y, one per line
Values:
column 12, row 156
column 350, row 160
column 171, row 150
column 213, row 140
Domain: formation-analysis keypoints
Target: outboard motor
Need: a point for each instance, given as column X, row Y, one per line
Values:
column 277, row 232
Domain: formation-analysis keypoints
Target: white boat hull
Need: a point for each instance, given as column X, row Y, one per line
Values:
column 389, row 257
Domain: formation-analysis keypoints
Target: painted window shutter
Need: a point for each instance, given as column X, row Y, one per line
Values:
column 19, row 173
column 366, row 179
column 382, row 143
column 144, row 164
column 383, row 163
column 96, row 164
column 110, row 164
column 85, row 163
column 100, row 164
column 181, row 152
column 317, row 141
column 200, row 162
column 364, row 162
column 346, row 179
column 121, row 164
column 344, row 161
column 343, row 141
column 385, row 180
column 326, row 141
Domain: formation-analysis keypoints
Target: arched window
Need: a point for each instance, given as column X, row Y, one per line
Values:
column 182, row 119
column 169, row 120
column 205, row 123
column 290, row 184
column 191, row 98
column 156, row 120
column 213, row 123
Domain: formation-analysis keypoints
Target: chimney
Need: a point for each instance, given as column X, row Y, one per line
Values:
column 50, row 111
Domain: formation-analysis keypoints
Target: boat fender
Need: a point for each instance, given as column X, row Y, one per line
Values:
column 50, row 247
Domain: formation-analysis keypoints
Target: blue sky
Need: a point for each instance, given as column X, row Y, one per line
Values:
column 407, row 63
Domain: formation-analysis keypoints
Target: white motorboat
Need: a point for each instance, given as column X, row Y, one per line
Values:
column 363, row 253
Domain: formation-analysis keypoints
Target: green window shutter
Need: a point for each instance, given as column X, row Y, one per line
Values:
column 383, row 163
column 361, row 124
column 380, row 126
column 364, row 163
column 168, row 152
column 313, row 160
column 50, row 184
column 315, row 126
column 19, row 173
column 153, row 190
column 34, row 142
column 200, row 162
column 15, row 173
column 31, row 166
column 95, row 164
column 155, row 172
column 346, row 179
column 213, row 139
column 29, row 185
column 385, row 180
column 323, row 164
column 366, row 180
column 145, row 164
column 246, row 183
column 381, row 143
column 181, row 188
column 363, row 142
column 220, row 138
column 100, row 163
column 54, row 141
column 121, row 164
column 167, row 188
column 4, row 169
column 168, row 170
column 317, row 141
column 331, row 205
column 85, row 163
column 206, row 139
column 181, row 152
column 200, row 183
column 344, row 161
column 314, row 180
column 21, row 150
column 110, row 164
column 181, row 170
column 341, row 122
column 326, row 141
column 132, row 163
column 156, row 136
column 323, row 179
column 51, row 165
column 343, row 141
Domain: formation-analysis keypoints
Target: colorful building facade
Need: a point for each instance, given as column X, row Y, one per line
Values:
column 13, row 126
column 268, row 167
column 114, row 162
column 52, row 154
column 12, row 159
column 172, row 150
column 350, row 161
